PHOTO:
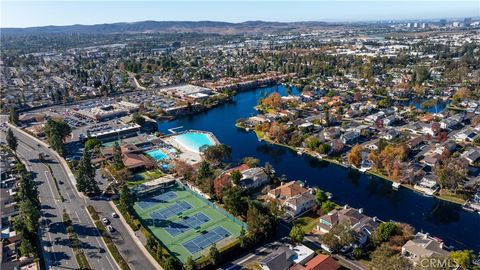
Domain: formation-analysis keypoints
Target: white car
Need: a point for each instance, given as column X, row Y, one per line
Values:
column 110, row 228
column 105, row 221
column 114, row 215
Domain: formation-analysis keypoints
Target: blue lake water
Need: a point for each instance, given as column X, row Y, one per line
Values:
column 442, row 219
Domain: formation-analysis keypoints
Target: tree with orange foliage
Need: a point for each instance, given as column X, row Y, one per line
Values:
column 374, row 158
column 273, row 101
column 219, row 184
column 354, row 157
column 277, row 132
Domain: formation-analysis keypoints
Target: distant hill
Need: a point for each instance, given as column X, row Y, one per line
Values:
column 169, row 27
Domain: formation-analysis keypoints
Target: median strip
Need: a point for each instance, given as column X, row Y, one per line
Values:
column 108, row 240
column 75, row 243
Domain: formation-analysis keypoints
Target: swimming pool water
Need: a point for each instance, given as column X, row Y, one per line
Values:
column 193, row 141
column 157, row 154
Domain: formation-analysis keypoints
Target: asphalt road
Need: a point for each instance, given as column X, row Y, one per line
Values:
column 55, row 240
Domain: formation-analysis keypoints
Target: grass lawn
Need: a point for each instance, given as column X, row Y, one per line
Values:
column 307, row 222
column 143, row 177
column 174, row 244
column 451, row 197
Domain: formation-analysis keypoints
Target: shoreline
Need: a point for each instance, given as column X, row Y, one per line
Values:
column 335, row 162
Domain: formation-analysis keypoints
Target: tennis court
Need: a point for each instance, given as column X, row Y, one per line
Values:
column 185, row 223
column 170, row 211
column 203, row 241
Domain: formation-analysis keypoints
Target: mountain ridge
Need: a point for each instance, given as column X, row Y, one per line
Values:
column 151, row 26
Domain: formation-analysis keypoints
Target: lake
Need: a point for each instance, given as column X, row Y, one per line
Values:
column 442, row 219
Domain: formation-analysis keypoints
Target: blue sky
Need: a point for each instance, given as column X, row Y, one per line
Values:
column 38, row 13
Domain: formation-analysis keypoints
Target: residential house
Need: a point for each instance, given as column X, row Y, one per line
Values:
column 285, row 256
column 361, row 224
column 276, row 260
column 472, row 155
column 319, row 262
column 391, row 134
column 349, row 137
column 253, row 178
column 423, row 246
column 294, row 198
column 428, row 185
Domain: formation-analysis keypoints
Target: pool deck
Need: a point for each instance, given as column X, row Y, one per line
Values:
column 187, row 154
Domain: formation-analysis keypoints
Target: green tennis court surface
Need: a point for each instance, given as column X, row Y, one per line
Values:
column 185, row 223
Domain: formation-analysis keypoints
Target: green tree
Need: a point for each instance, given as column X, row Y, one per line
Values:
column 204, row 171
column 296, row 234
column 328, row 206
column 234, row 200
column 214, row 255
column 385, row 231
column 170, row 263
column 464, row 258
column 320, row 196
column 217, row 153
column 236, row 176
column 126, row 198
column 243, row 238
column 30, row 215
column 85, row 176
column 12, row 140
column 261, row 223
column 190, row 264
column 13, row 116
column 251, row 162
column 385, row 258
column 92, row 143
column 25, row 248
column 138, row 119
column 117, row 157
column 56, row 132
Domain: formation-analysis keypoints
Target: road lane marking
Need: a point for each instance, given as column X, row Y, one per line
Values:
column 51, row 190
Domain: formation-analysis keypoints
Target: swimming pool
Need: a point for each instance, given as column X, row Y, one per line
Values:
column 193, row 141
column 157, row 154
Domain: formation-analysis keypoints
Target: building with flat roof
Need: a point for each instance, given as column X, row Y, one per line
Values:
column 188, row 92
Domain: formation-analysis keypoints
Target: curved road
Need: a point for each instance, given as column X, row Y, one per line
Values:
column 53, row 231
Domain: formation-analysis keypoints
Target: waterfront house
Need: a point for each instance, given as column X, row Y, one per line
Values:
column 293, row 198
column 423, row 246
column 254, row 178
column 428, row 185
column 361, row 224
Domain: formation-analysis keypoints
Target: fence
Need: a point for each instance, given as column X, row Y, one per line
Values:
column 213, row 205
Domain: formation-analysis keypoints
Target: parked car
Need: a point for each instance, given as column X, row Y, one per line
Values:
column 110, row 228
column 114, row 215
column 105, row 221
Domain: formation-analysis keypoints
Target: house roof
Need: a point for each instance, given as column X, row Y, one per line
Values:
column 131, row 160
column 322, row 262
column 424, row 246
column 288, row 190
